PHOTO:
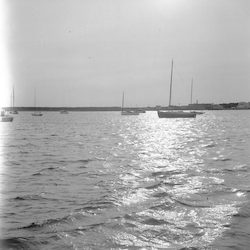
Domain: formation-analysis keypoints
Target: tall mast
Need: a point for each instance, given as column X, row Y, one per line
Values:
column 122, row 100
column 191, row 92
column 13, row 97
column 35, row 98
column 170, row 93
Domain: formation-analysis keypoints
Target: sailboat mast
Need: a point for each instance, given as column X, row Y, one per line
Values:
column 35, row 98
column 13, row 98
column 170, row 92
column 122, row 100
column 191, row 92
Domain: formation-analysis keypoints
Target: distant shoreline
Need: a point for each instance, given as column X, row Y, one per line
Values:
column 107, row 108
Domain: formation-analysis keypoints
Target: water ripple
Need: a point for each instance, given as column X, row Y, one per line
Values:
column 103, row 181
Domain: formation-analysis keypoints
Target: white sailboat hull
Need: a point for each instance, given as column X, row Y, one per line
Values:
column 13, row 112
column 64, row 112
column 36, row 114
column 197, row 112
column 5, row 117
column 130, row 113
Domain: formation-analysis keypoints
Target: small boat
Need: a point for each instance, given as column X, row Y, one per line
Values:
column 127, row 112
column 194, row 112
column 175, row 114
column 172, row 113
column 197, row 112
column 14, row 112
column 141, row 111
column 36, row 113
column 5, row 116
column 64, row 112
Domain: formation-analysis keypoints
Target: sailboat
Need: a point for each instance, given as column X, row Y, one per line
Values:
column 13, row 111
column 171, row 113
column 37, row 113
column 127, row 112
column 64, row 111
column 5, row 116
column 194, row 112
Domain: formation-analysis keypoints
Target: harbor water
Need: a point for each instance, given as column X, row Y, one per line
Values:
column 99, row 180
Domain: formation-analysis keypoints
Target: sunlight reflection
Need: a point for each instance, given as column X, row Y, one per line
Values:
column 156, row 145
column 170, row 183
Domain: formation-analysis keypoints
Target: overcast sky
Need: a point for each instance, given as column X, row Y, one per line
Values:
column 87, row 52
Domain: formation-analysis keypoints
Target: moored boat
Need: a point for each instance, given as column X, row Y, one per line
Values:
column 127, row 112
column 175, row 114
column 172, row 113
column 194, row 112
column 141, row 111
column 5, row 116
column 130, row 112
column 13, row 111
column 64, row 112
column 197, row 112
column 36, row 113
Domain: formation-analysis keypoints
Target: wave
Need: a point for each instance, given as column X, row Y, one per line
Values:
column 75, row 161
column 32, row 197
column 20, row 243
column 39, row 173
column 83, row 161
column 194, row 203
column 45, row 223
column 154, row 185
column 12, row 163
column 209, row 145
column 191, row 248
column 244, row 211
column 53, row 169
column 165, row 173
column 61, row 169
column 222, row 159
column 68, row 223
column 154, row 222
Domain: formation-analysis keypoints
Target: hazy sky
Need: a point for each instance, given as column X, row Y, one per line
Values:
column 87, row 52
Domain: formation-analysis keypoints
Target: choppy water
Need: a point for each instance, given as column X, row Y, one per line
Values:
column 99, row 180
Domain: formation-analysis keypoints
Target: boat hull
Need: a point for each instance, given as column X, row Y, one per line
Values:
column 197, row 112
column 36, row 114
column 64, row 112
column 6, row 119
column 129, row 113
column 175, row 114
column 13, row 112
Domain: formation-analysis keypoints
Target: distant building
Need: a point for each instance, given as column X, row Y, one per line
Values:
column 200, row 106
column 204, row 106
column 231, row 105
column 243, row 105
column 217, row 106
